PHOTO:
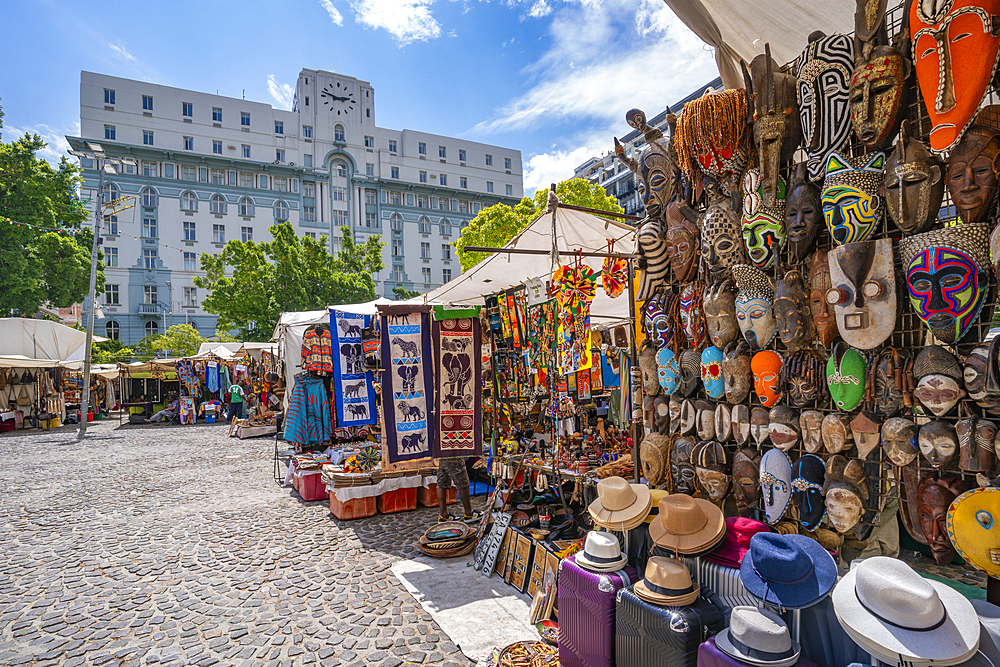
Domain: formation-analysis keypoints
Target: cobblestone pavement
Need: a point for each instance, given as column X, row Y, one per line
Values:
column 172, row 545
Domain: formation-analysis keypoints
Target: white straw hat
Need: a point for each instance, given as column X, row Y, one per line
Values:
column 601, row 553
column 758, row 637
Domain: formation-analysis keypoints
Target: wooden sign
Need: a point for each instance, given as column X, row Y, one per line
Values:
column 552, row 563
column 493, row 543
column 521, row 562
column 504, row 555
column 539, row 560
column 508, row 566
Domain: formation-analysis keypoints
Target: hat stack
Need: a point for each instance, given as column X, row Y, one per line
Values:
column 620, row 506
column 758, row 637
column 667, row 582
column 686, row 525
column 447, row 539
column 736, row 543
column 790, row 571
column 601, row 553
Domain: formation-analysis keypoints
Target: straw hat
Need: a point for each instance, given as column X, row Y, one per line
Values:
column 655, row 496
column 758, row 637
column 687, row 525
column 601, row 553
column 620, row 505
column 667, row 582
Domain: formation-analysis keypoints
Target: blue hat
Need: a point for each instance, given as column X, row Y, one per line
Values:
column 790, row 571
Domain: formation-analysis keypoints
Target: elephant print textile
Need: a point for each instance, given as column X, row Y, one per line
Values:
column 407, row 381
column 352, row 384
column 458, row 377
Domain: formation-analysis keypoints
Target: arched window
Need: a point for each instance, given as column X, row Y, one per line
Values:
column 246, row 207
column 189, row 202
column 152, row 328
column 338, row 132
column 424, row 225
column 149, row 197
column 218, row 204
column 111, row 192
column 280, row 210
column 112, row 329
column 396, row 222
column 340, row 169
column 445, row 227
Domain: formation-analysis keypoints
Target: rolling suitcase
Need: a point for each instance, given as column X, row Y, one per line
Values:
column 647, row 634
column 587, row 614
column 723, row 581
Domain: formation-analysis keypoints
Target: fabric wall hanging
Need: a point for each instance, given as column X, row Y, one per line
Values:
column 408, row 429
column 456, row 339
column 308, row 417
column 353, row 384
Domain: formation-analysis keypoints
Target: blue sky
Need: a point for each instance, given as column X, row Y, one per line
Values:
column 552, row 78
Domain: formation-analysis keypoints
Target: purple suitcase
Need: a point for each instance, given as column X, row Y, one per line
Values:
column 587, row 614
column 710, row 656
column 648, row 635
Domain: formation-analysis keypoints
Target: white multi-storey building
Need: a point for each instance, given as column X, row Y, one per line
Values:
column 214, row 168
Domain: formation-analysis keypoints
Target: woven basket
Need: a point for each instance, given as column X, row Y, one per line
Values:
column 342, row 480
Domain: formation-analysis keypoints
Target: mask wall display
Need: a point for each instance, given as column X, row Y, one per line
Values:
column 723, row 422
column 863, row 292
column 837, row 436
column 845, row 490
column 953, row 74
column 763, row 224
column 674, row 406
column 713, row 469
column 667, row 373
column 681, row 469
column 721, row 233
column 939, row 380
column 938, row 443
column 754, row 305
column 711, row 372
column 775, row 484
column 803, row 378
column 803, row 214
column 972, row 172
column 766, row 369
column 819, row 284
column 713, row 138
column 661, row 414
column 783, row 427
column 866, row 430
column 892, row 368
column 845, row 377
column 852, row 203
column 811, row 428
column 691, row 318
column 946, row 273
column 706, row 420
column 899, row 440
column 656, row 167
column 719, row 306
column 746, row 480
column 683, row 243
column 659, row 326
column 914, row 184
column 741, row 424
column 934, row 496
column 760, row 425
column 807, row 490
column 793, row 312
column 976, row 438
column 690, row 368
column 878, row 88
column 689, row 417
column 824, row 73
column 736, row 371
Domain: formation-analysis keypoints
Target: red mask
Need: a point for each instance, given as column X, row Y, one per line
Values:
column 766, row 368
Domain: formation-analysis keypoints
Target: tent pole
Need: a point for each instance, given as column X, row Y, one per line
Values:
column 635, row 410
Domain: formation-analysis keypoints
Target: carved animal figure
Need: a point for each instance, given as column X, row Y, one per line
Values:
column 353, row 390
column 358, row 411
column 414, row 441
column 348, row 329
column 409, row 375
column 410, row 412
column 407, row 348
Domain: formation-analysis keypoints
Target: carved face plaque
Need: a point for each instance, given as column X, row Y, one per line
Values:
column 674, row 410
column 986, row 435
column 681, row 468
column 754, row 310
column 766, row 368
column 844, row 508
column 706, row 420
column 946, row 272
column 656, row 166
column 711, row 372
column 690, row 367
column 878, row 93
column 914, row 185
column 863, row 295
column 845, row 377
column 808, row 473
column 746, row 480
column 736, row 371
column 783, row 427
column 971, row 457
column 760, row 425
column 837, row 435
column 775, row 484
column 899, row 440
column 866, row 429
column 689, row 417
column 713, row 468
column 682, row 241
column 719, row 305
column 934, row 497
column 792, row 311
column 803, row 214
column 938, row 375
column 846, row 491
column 811, row 428
column 852, row 205
column 763, row 225
column 938, row 443
column 824, row 73
column 666, row 371
column 658, row 325
column 889, row 395
column 776, row 127
column 650, row 378
column 974, row 374
column 690, row 312
column 954, row 46
column 741, row 424
column 972, row 173
column 721, row 233
column 819, row 283
column 723, row 423
column 803, row 378
column 723, row 153
column 651, row 244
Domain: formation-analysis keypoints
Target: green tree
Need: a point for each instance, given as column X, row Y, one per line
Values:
column 402, row 294
column 180, row 340
column 496, row 225
column 224, row 337
column 110, row 352
column 251, row 283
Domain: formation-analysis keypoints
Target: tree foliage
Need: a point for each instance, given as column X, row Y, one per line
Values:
column 110, row 352
column 495, row 226
column 402, row 294
column 180, row 340
column 251, row 283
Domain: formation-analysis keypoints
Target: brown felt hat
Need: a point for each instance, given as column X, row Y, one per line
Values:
column 620, row 505
column 687, row 525
column 667, row 582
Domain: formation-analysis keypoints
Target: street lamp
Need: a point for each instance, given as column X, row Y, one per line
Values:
column 104, row 164
column 170, row 302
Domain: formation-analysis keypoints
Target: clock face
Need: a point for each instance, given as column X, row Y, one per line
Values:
column 337, row 98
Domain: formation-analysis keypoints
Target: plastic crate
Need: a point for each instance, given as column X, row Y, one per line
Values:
column 400, row 500
column 311, row 486
column 357, row 508
column 428, row 496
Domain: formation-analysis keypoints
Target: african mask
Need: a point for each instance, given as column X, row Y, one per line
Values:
column 846, row 492
column 783, row 427
column 973, row 527
column 878, row 96
column 934, row 496
column 972, row 172
column 760, row 425
column 974, row 374
column 706, row 420
column 741, row 424
column 986, row 435
column 651, row 244
column 690, row 313
column 845, row 377
column 657, row 163
column 824, row 73
column 681, row 469
column 746, row 480
column 721, row 233
column 946, row 272
column 766, row 369
column 955, row 48
column 775, row 484
column 661, row 414
column 866, row 430
column 674, row 411
column 938, row 375
column 763, row 225
column 722, row 151
column 890, row 382
column 914, row 184
column 719, row 306
column 803, row 214
column 899, row 440
column 689, row 417
column 807, row 490
column 754, row 311
column 837, row 436
column 723, row 422
column 650, row 375
column 819, row 284
column 713, row 469
column 657, row 323
column 682, row 240
column 995, row 250
column 666, row 370
column 852, row 203
column 938, row 443
column 690, row 367
column 811, row 428
column 711, row 372
column 792, row 311
column 863, row 294
column 803, row 378
column 976, row 438
column 736, row 371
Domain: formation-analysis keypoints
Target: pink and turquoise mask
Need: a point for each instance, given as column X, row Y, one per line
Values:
column 666, row 370
column 711, row 372
column 852, row 204
column 763, row 225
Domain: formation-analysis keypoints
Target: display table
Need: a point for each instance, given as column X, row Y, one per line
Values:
column 243, row 432
column 394, row 494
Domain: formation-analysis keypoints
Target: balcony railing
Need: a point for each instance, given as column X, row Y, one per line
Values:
column 149, row 309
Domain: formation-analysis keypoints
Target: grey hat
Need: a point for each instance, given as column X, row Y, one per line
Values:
column 758, row 637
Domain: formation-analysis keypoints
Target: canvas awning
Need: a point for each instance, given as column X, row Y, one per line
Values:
column 42, row 339
column 254, row 350
column 21, row 361
column 163, row 365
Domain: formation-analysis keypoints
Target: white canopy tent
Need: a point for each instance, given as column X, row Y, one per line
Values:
column 211, row 346
column 42, row 339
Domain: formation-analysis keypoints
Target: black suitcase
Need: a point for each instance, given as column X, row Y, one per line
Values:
column 647, row 634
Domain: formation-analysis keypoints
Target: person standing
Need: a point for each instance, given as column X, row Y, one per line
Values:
column 235, row 402
column 452, row 471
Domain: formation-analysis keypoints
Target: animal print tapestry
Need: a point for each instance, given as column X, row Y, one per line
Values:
column 353, row 385
column 407, row 382
column 459, row 404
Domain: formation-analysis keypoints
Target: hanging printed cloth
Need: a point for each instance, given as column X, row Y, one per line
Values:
column 212, row 376
column 407, row 381
column 224, row 380
column 456, row 340
column 308, row 418
column 353, row 384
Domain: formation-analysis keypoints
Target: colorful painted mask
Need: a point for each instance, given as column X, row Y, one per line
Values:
column 651, row 244
column 878, row 96
column 746, row 480
column 889, row 394
column 934, row 496
column 682, row 240
column 975, row 372
column 803, row 214
column 723, row 422
column 811, row 427
column 845, row 492
column 711, row 372
column 899, row 440
column 803, row 378
column 719, row 305
column 837, row 435
column 690, row 368
column 783, row 427
column 657, row 163
column 845, row 377
column 754, row 311
column 976, row 438
column 955, row 48
column 914, row 184
column 741, row 424
column 946, row 271
column 658, row 325
column 766, row 369
column 852, row 205
column 819, row 284
column 939, row 376
column 807, row 490
column 824, row 73
column 713, row 469
column 691, row 318
column 681, row 469
column 736, row 371
column 763, row 225
column 721, row 233
column 792, row 312
column 973, row 528
column 775, row 484
column 938, row 443
column 722, row 150
column 666, row 371
column 706, row 420
column 972, row 172
column 863, row 294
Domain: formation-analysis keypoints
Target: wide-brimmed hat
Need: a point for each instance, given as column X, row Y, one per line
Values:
column 736, row 543
column 900, row 617
column 601, row 553
column 791, row 571
column 971, row 519
column 758, row 637
column 667, row 582
column 620, row 505
column 655, row 496
column 687, row 525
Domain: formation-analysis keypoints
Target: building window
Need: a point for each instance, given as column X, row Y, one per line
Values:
column 152, row 328
column 445, row 229
column 489, row 160
column 425, row 251
column 279, row 155
column 394, row 198
column 423, row 177
column 218, row 176
column 442, row 151
column 189, row 202
column 369, row 142
column 190, row 297
column 368, row 113
column 307, row 131
column 422, row 148
column 307, row 100
column 109, row 96
column 149, row 170
column 279, row 127
column 369, row 169
column 246, row 180
column 463, row 207
column 149, row 197
column 338, row 132
column 218, row 233
column 446, row 275
column 397, row 274
column 216, row 114
column 371, row 220
column 463, row 183
column 338, row 193
column 246, row 207
column 190, row 261
column 147, row 103
column 341, row 170
column 489, row 186
column 111, row 295
column 246, row 151
column 147, row 137
column 216, row 146
column 309, row 213
column 422, row 201
column 392, row 145
column 394, row 172
column 370, row 196
column 189, row 173
column 149, row 258
column 396, row 222
column 506, row 163
column 443, row 179
column 307, row 160
column 311, row 235
column 149, row 228
column 112, row 329
column 187, row 109
column 509, row 190
column 339, row 220
column 245, row 118
column 189, row 143
column 110, row 257
column 444, row 204
column 280, row 210
column 109, row 132
column 280, row 183
column 217, row 204
column 425, row 273
column 111, row 225
column 461, row 155
column 308, row 189
column 189, row 231
column 424, row 225
column 446, row 250
column 262, row 182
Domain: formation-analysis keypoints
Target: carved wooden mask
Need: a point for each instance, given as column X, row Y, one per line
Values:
column 719, row 306
column 878, row 96
column 682, row 240
column 824, row 73
column 763, row 224
column 746, row 480
column 899, row 440
column 863, row 294
column 914, row 184
column 938, row 443
column 934, row 496
column 803, row 214
column 713, row 469
column 681, row 469
column 938, row 376
column 754, row 305
column 692, row 320
column 811, row 428
column 793, row 312
column 819, row 283
column 766, row 369
column 808, row 473
column 976, row 439
column 706, row 420
column 736, row 371
column 852, row 199
column 775, row 484
column 760, row 425
column 846, row 492
column 721, row 233
column 690, row 367
column 656, row 166
column 890, row 382
column 972, row 173
column 783, row 427
column 837, row 435
column 723, row 422
column 711, row 372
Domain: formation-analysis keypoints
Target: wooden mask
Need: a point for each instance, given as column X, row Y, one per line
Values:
column 863, row 294
column 976, row 374
column 845, row 377
column 938, row 442
column 914, row 184
column 852, row 199
column 690, row 367
column 721, row 233
column 803, row 378
column 713, row 469
column 807, row 490
column 939, row 380
column 792, row 312
column 746, row 480
column 706, row 420
column 775, row 484
column 819, row 284
column 760, row 425
column 719, row 306
column 681, row 469
column 667, row 373
column 722, row 151
column 682, row 240
column 766, row 369
column 711, row 372
column 692, row 321
column 741, row 424
column 689, row 417
column 934, row 496
column 899, row 440
column 866, row 429
column 955, row 45
column 723, row 422
column 976, row 439
column 811, row 428
column 845, row 491
column 803, row 214
column 648, row 366
column 674, row 406
column 736, row 371
column 654, row 263
column 972, row 172
column 783, row 427
column 754, row 305
column 656, row 167
column 763, row 224
column 837, row 436
column 824, row 73
column 891, row 382
column 878, row 88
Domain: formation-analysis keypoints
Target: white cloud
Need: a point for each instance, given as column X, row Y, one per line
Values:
column 121, row 52
column 334, row 13
column 406, row 20
column 282, row 93
column 540, row 9
column 546, row 168
column 55, row 139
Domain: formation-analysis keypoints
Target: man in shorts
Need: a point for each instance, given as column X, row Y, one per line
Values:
column 452, row 472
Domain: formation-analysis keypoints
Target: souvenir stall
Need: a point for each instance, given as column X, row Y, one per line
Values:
column 31, row 393
column 145, row 387
column 105, row 389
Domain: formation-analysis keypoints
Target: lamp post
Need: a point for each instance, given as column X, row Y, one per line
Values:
column 170, row 302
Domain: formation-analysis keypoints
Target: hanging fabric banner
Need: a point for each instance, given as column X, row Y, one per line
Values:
column 353, row 385
column 407, row 381
column 459, row 404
